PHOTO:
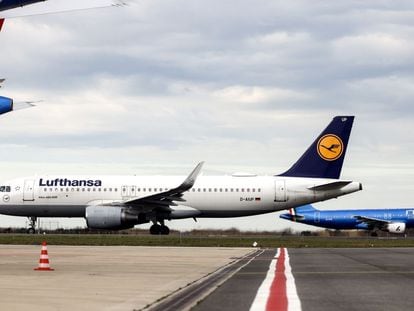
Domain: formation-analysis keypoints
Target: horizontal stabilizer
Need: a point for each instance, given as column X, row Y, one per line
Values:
column 331, row 186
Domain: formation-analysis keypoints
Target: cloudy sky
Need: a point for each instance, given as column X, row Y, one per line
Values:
column 155, row 87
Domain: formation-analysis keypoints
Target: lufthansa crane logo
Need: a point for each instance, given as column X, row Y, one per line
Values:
column 330, row 147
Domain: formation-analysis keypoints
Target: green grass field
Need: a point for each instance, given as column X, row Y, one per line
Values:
column 203, row 241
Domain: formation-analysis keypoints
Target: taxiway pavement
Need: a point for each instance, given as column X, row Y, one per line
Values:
column 102, row 277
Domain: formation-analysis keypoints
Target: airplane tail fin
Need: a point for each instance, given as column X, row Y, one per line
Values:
column 324, row 158
column 296, row 213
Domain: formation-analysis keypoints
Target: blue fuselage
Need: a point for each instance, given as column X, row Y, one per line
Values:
column 11, row 4
column 348, row 219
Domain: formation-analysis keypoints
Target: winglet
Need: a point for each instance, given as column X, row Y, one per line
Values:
column 1, row 23
column 190, row 180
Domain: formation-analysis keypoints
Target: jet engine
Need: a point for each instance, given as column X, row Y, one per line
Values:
column 112, row 218
column 6, row 104
column 396, row 227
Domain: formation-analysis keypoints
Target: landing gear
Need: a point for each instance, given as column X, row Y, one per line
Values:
column 157, row 229
column 32, row 228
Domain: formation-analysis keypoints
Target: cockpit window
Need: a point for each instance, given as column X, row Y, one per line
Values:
column 4, row 188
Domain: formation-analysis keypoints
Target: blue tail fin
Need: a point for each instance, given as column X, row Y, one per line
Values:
column 304, row 208
column 324, row 158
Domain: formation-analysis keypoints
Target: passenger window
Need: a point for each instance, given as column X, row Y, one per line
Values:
column 2, row 188
column 248, row 189
column 258, row 190
column 253, row 190
column 209, row 189
column 221, row 190
column 215, row 189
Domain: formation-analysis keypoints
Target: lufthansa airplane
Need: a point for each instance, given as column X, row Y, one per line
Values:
column 390, row 220
column 120, row 202
column 52, row 6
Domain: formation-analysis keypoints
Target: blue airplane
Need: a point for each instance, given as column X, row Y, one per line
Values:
column 389, row 220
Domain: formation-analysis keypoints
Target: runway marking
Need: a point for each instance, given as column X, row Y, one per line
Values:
column 278, row 290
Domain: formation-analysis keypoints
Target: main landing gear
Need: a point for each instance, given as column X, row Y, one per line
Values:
column 157, row 229
column 32, row 226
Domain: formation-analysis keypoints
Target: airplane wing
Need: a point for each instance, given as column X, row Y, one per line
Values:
column 59, row 6
column 372, row 222
column 162, row 201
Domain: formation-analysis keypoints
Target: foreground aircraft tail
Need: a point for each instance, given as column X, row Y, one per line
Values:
column 324, row 158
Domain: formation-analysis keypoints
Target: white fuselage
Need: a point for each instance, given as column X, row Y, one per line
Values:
column 211, row 196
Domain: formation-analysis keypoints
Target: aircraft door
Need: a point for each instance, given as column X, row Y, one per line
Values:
column 28, row 191
column 280, row 191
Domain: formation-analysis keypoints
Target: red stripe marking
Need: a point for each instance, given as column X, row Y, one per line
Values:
column 277, row 300
column 1, row 23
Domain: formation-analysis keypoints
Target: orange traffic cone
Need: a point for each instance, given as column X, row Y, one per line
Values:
column 44, row 260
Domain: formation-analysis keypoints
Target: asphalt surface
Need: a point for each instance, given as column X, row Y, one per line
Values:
column 354, row 279
column 328, row 279
column 189, row 296
column 238, row 292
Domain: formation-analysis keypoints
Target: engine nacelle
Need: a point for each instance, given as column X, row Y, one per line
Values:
column 112, row 218
column 396, row 227
column 6, row 104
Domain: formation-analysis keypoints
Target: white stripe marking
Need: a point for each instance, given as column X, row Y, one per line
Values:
column 260, row 301
column 291, row 292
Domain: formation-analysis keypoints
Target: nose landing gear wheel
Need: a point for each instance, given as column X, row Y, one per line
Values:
column 32, row 225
